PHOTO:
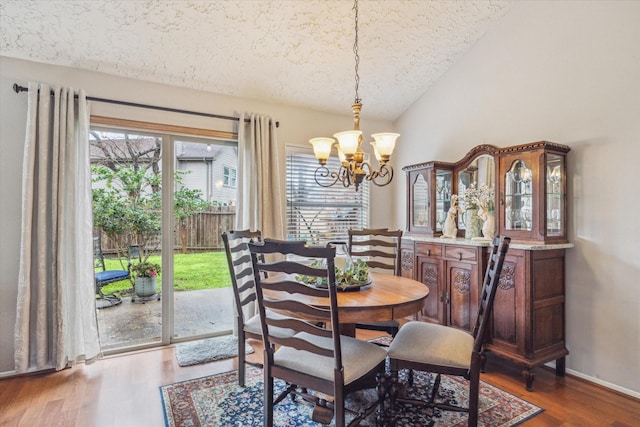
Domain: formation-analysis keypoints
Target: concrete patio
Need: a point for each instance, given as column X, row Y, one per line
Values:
column 196, row 313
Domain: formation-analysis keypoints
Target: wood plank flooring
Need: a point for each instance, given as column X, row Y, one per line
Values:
column 123, row 391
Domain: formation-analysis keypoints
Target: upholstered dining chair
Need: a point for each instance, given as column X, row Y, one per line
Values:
column 446, row 350
column 244, row 294
column 380, row 249
column 315, row 358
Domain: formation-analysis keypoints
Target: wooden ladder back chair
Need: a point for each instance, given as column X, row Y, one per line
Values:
column 381, row 250
column 379, row 246
column 446, row 350
column 314, row 358
column 241, row 271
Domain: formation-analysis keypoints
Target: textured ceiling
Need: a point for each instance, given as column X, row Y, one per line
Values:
column 291, row 52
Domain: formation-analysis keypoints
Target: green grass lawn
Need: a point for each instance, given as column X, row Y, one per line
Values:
column 203, row 270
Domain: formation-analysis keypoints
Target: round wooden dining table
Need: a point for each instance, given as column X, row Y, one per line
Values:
column 388, row 297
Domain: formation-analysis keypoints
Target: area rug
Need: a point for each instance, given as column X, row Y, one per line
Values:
column 217, row 400
column 208, row 350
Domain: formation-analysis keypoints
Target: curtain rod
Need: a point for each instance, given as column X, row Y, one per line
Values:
column 17, row 88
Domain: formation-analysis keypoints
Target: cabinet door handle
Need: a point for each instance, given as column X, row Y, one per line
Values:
column 428, row 252
column 459, row 256
column 447, row 300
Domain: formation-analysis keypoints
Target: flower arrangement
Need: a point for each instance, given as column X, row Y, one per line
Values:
column 355, row 274
column 146, row 269
column 479, row 198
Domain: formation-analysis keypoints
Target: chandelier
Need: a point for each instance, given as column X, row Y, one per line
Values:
column 353, row 166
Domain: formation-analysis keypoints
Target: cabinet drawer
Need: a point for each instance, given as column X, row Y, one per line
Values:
column 428, row 249
column 460, row 253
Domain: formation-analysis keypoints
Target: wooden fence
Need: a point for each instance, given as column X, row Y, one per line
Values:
column 203, row 231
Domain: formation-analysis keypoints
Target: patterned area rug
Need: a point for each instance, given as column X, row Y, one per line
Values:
column 217, row 400
column 208, row 350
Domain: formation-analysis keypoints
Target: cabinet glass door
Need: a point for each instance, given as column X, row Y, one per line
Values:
column 443, row 196
column 518, row 197
column 555, row 195
column 420, row 202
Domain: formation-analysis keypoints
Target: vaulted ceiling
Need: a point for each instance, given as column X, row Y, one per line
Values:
column 295, row 52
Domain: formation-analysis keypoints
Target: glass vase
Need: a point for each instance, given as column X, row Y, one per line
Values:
column 472, row 224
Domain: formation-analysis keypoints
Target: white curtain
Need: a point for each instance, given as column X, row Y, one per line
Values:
column 260, row 195
column 56, row 322
column 260, row 201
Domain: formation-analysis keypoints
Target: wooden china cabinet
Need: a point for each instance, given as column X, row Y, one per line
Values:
column 529, row 183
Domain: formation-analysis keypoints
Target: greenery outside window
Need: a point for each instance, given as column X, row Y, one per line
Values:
column 319, row 214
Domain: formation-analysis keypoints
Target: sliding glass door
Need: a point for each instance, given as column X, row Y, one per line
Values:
column 205, row 202
column 161, row 202
column 127, row 198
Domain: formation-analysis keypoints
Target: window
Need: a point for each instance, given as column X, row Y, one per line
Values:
column 321, row 214
column 229, row 177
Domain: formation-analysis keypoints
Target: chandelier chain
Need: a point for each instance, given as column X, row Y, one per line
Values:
column 355, row 51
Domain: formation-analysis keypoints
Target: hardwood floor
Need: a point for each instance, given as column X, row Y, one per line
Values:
column 123, row 391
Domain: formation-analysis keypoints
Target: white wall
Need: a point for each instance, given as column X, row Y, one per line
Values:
column 297, row 126
column 567, row 72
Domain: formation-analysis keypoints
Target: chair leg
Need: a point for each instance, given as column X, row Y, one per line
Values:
column 474, row 392
column 111, row 300
column 241, row 358
column 383, row 388
column 268, row 397
column 393, row 390
column 436, row 387
column 338, row 409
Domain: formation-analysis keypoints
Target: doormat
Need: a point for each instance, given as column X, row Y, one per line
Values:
column 208, row 350
column 218, row 400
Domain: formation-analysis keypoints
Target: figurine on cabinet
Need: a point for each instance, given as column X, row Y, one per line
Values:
column 450, row 229
column 488, row 225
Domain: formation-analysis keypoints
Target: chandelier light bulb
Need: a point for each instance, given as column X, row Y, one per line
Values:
column 322, row 148
column 349, row 141
column 385, row 143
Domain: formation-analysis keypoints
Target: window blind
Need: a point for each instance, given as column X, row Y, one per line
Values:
column 319, row 214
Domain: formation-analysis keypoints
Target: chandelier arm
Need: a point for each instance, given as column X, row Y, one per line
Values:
column 369, row 170
column 323, row 173
column 345, row 176
column 383, row 176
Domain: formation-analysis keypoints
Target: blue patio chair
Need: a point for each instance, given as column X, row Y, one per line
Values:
column 104, row 277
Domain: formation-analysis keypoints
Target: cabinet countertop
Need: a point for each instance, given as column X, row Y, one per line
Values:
column 484, row 243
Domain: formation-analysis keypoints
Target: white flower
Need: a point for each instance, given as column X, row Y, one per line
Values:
column 478, row 198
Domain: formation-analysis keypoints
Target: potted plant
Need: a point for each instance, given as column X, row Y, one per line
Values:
column 146, row 278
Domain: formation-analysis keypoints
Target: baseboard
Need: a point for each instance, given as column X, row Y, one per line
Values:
column 597, row 381
column 7, row 374
column 604, row 384
column 31, row 371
